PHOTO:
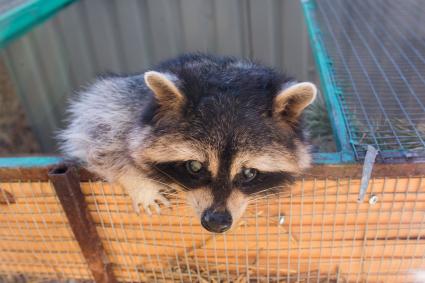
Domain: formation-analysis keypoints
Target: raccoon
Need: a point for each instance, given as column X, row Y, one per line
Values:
column 221, row 129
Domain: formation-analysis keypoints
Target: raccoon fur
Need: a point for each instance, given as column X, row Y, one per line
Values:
column 220, row 129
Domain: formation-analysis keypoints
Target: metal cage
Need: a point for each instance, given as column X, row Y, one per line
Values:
column 317, row 231
column 374, row 53
column 59, row 222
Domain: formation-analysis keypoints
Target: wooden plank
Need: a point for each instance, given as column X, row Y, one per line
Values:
column 315, row 249
column 22, row 232
column 389, row 216
column 320, row 172
column 150, row 234
column 61, row 246
column 192, row 234
column 45, row 270
column 108, row 200
column 319, row 210
column 318, row 186
column 355, row 170
column 25, row 257
column 324, row 229
column 377, row 245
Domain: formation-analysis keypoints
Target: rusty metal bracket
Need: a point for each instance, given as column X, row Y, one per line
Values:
column 67, row 186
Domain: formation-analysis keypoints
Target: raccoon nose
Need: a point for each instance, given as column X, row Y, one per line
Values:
column 216, row 221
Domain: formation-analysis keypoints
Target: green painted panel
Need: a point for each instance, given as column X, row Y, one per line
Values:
column 20, row 18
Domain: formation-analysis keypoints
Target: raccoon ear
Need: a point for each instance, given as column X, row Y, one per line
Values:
column 166, row 92
column 291, row 101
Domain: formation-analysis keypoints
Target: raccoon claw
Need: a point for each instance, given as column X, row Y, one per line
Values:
column 149, row 199
column 147, row 210
column 136, row 207
column 163, row 200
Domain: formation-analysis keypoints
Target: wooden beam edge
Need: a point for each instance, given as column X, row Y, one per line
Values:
column 320, row 171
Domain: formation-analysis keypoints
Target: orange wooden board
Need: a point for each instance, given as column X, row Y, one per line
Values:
column 314, row 230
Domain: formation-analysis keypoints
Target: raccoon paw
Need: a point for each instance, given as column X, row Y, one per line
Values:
column 148, row 198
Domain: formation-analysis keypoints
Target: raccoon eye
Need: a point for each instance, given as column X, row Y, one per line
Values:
column 193, row 166
column 249, row 174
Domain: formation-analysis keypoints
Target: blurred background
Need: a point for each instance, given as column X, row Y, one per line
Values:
column 39, row 70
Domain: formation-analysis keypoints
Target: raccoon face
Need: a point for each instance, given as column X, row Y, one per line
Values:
column 224, row 139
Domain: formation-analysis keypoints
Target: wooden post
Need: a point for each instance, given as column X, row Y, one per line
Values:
column 67, row 186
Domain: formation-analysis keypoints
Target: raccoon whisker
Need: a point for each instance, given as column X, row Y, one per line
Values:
column 171, row 191
column 267, row 196
column 279, row 194
column 268, row 189
column 262, row 192
column 165, row 174
column 159, row 182
column 258, row 199
column 273, row 191
column 178, row 149
column 270, row 195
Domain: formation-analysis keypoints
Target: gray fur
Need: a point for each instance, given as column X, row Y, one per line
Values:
column 101, row 120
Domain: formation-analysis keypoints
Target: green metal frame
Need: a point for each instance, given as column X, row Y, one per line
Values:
column 330, row 89
column 29, row 161
column 22, row 18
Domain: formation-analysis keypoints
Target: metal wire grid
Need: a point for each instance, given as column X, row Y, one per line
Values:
column 377, row 49
column 35, row 238
column 315, row 232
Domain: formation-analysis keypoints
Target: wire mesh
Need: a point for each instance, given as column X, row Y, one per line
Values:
column 314, row 232
column 35, row 237
column 377, row 49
